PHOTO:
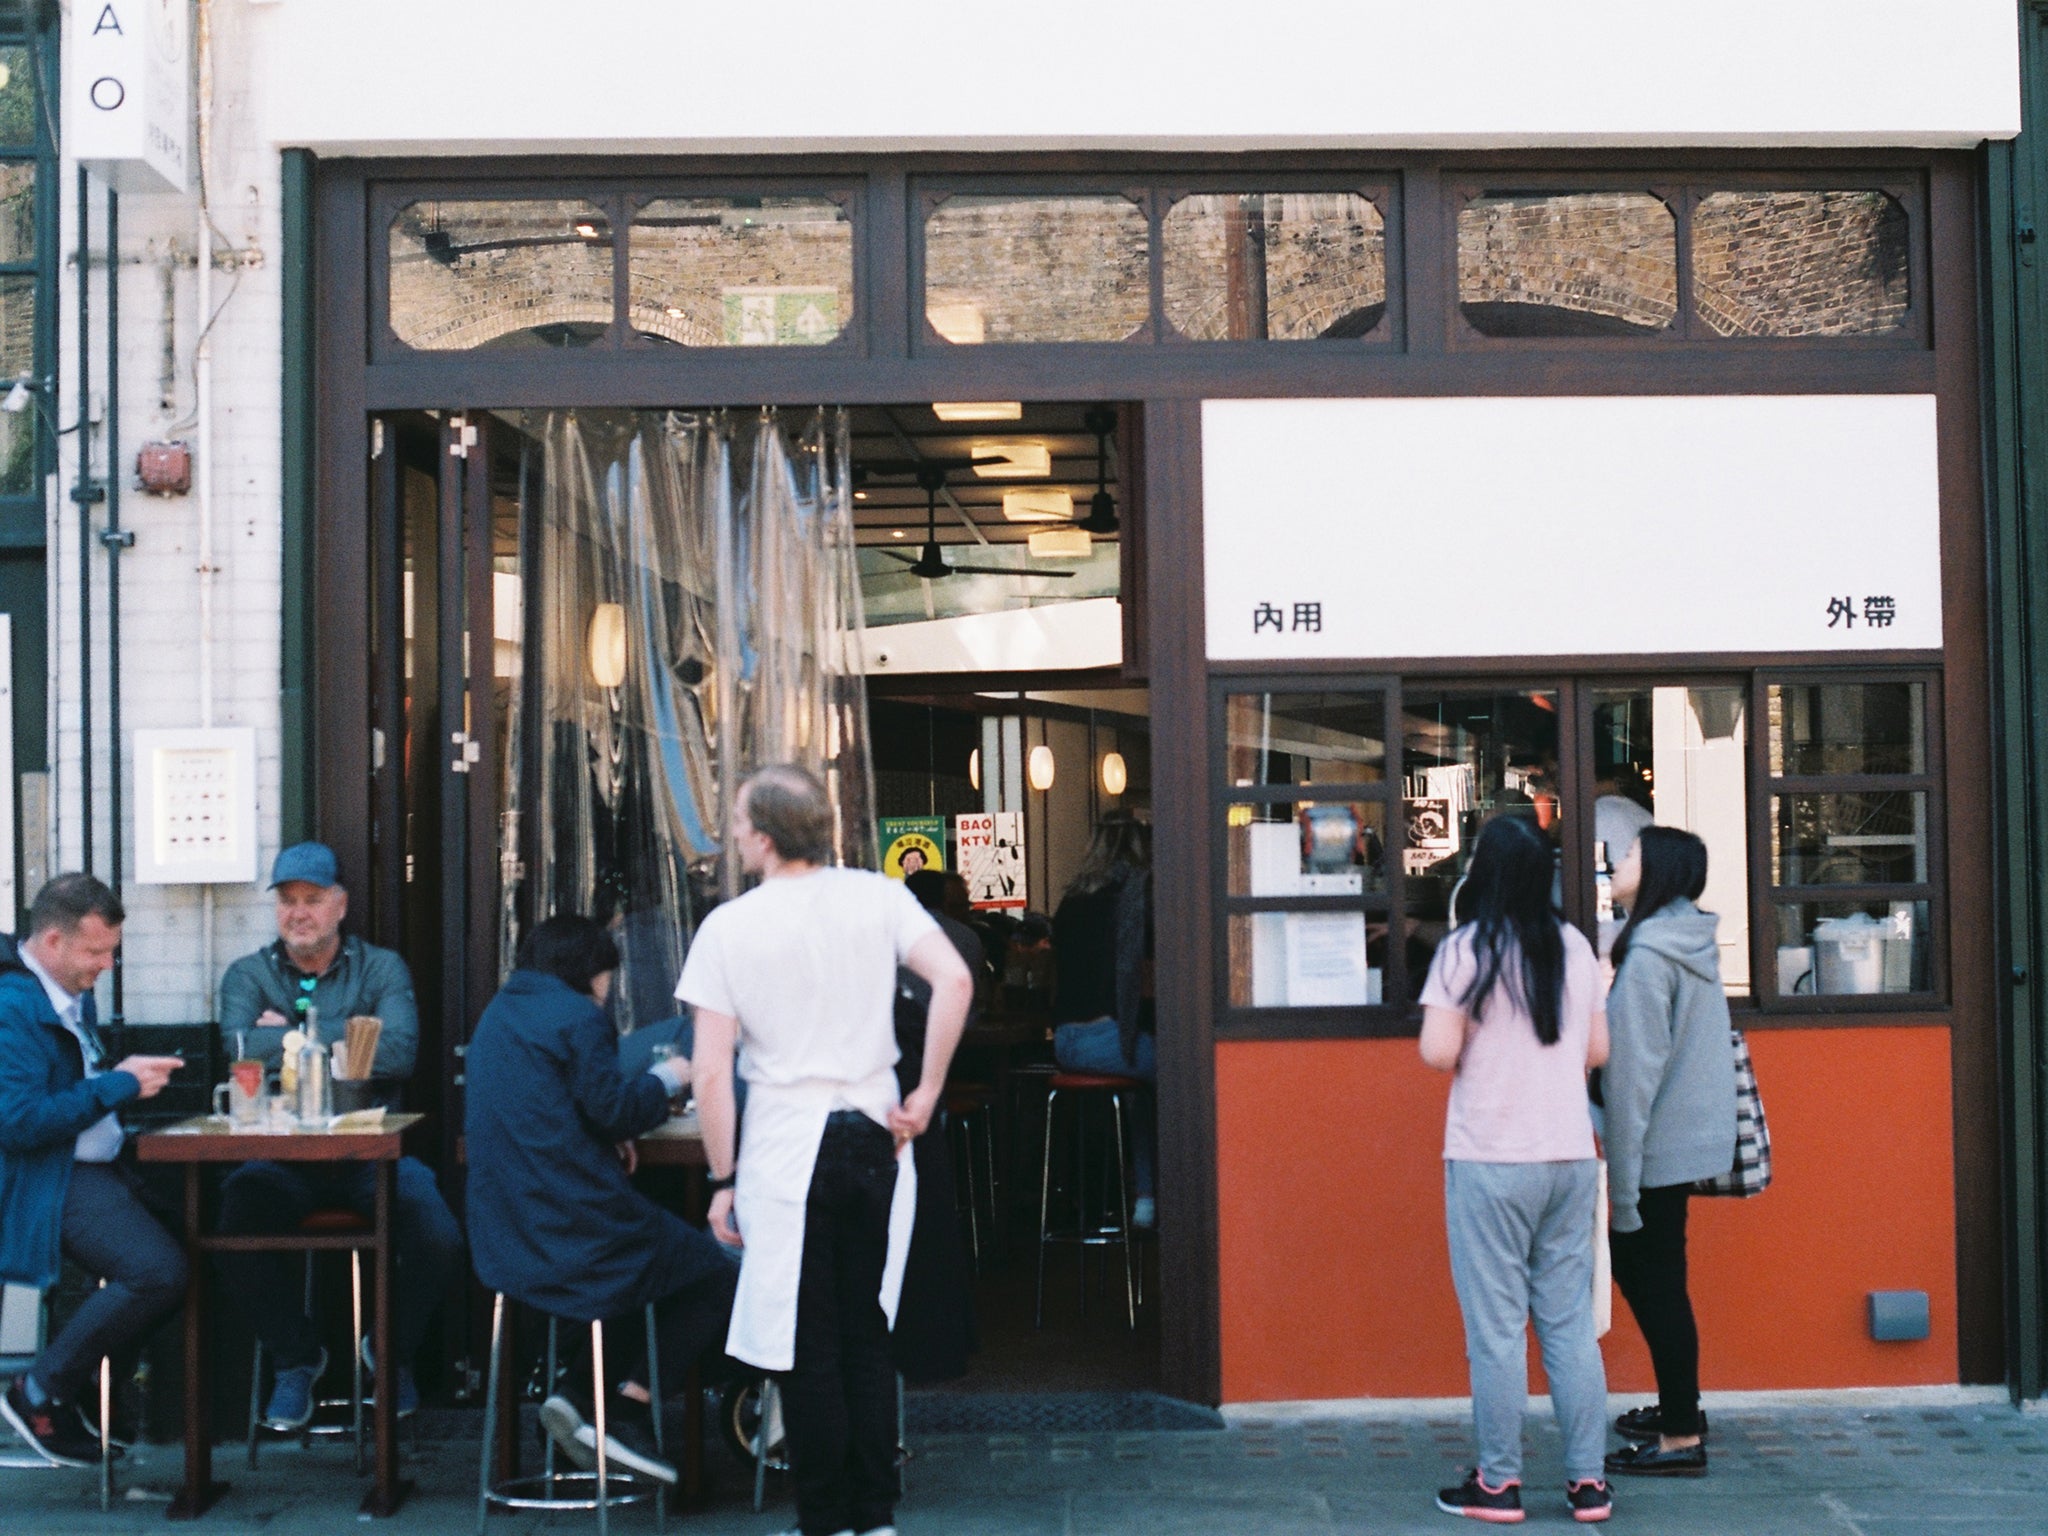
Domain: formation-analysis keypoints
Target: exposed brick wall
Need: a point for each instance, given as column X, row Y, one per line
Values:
column 508, row 266
column 1066, row 269
column 1604, row 253
column 1799, row 263
column 1324, row 258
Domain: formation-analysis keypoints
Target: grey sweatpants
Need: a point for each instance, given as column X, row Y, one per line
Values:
column 1521, row 1249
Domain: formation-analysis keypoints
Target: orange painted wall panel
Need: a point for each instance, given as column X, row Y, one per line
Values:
column 1336, row 1279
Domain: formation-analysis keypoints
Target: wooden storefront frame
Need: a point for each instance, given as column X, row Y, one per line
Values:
column 893, row 363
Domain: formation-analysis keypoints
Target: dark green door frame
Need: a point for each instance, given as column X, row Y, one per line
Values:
column 295, row 800
column 2016, row 462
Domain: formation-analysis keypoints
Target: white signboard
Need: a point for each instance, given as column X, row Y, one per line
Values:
column 991, row 852
column 1570, row 526
column 128, row 94
column 195, row 806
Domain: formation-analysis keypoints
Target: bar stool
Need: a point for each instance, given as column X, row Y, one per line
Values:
column 323, row 1223
column 539, row 1492
column 29, row 1459
column 968, row 1111
column 1083, row 1089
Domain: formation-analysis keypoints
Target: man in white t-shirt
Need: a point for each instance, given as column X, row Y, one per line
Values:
column 800, row 972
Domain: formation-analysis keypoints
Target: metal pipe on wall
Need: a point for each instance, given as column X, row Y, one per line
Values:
column 114, row 540
column 202, row 472
column 82, row 497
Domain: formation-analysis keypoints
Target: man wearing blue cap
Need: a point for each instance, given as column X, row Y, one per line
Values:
column 311, row 968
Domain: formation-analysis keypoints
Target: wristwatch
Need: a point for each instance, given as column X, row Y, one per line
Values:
column 714, row 1185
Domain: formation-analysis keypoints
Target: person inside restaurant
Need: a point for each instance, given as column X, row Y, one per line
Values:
column 554, row 1220
column 313, row 973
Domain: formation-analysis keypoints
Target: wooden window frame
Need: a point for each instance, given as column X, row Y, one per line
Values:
column 1681, row 193
column 1576, row 682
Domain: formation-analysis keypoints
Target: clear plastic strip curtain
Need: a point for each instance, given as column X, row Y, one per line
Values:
column 690, row 610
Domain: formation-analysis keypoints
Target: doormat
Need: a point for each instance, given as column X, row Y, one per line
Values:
column 1054, row 1413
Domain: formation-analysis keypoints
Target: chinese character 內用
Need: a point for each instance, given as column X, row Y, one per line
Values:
column 1841, row 610
column 1266, row 616
column 1878, row 612
column 1309, row 616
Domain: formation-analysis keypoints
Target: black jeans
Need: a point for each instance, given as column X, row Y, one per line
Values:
column 426, row 1248
column 1649, row 1266
column 111, row 1233
column 839, row 1397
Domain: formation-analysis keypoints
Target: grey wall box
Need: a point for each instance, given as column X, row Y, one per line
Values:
column 1898, row 1316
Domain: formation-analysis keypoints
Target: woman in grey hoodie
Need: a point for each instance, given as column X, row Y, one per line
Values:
column 1669, row 1090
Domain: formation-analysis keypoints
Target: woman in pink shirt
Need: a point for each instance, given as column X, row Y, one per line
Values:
column 1515, row 1009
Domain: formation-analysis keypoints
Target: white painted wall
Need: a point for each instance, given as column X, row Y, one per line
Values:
column 1569, row 526
column 165, row 981
column 443, row 76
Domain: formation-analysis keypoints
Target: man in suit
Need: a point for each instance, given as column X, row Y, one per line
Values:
column 63, row 1192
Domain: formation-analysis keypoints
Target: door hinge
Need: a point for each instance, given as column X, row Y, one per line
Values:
column 377, row 439
column 462, row 437
column 470, row 751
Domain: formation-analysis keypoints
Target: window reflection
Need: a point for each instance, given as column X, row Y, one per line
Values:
column 1280, row 266
column 1027, row 268
column 1567, row 264
column 1678, row 757
column 1823, row 728
column 17, row 360
column 1468, row 757
column 1302, row 960
column 466, row 275
column 17, row 211
column 1838, row 948
column 1307, row 848
column 1306, row 738
column 741, row 271
column 1800, row 263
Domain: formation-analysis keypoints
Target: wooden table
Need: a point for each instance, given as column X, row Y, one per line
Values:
column 207, row 1139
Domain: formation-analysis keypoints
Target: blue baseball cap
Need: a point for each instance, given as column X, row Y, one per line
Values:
column 310, row 862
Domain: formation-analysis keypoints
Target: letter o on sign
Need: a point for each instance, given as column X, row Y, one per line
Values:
column 107, row 93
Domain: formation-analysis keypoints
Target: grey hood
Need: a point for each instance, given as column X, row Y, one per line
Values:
column 1684, row 935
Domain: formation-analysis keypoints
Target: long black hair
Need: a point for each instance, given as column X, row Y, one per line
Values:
column 1674, row 865
column 1507, row 891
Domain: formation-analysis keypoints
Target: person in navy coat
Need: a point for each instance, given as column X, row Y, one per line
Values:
column 554, row 1220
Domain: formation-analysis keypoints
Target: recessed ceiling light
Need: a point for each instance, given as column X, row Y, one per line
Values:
column 586, row 229
column 978, row 410
column 1036, row 506
column 860, row 495
column 895, row 533
column 1060, row 544
column 673, row 313
column 1004, row 459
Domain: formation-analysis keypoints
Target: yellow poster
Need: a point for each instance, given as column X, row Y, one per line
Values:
column 911, row 843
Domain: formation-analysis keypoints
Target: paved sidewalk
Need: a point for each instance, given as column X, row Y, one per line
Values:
column 1879, row 1467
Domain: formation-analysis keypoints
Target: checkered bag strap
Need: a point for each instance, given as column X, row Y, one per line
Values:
column 1751, row 1172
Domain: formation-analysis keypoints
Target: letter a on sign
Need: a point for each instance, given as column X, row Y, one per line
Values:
column 108, row 22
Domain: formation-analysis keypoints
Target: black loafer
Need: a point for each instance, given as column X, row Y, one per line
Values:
column 1647, row 1423
column 1647, row 1460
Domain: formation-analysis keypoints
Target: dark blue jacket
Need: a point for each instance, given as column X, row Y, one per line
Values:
column 45, row 1101
column 553, row 1220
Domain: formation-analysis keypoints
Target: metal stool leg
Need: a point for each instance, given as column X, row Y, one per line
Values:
column 1081, row 1192
column 1123, row 1208
column 483, row 1476
column 768, row 1404
column 106, row 1429
column 255, row 1402
column 597, row 1397
column 355, row 1349
column 654, row 1409
column 547, row 1455
column 1044, row 1211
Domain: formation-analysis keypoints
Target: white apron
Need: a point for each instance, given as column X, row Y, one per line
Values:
column 779, row 1152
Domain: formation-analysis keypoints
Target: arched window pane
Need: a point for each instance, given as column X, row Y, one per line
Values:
column 1567, row 264
column 741, row 271
column 1279, row 266
column 1799, row 263
column 500, row 274
column 1036, row 269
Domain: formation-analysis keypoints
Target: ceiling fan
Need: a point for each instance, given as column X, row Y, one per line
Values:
column 930, row 563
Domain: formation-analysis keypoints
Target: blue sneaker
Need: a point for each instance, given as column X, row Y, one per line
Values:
column 408, row 1388
column 292, row 1397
